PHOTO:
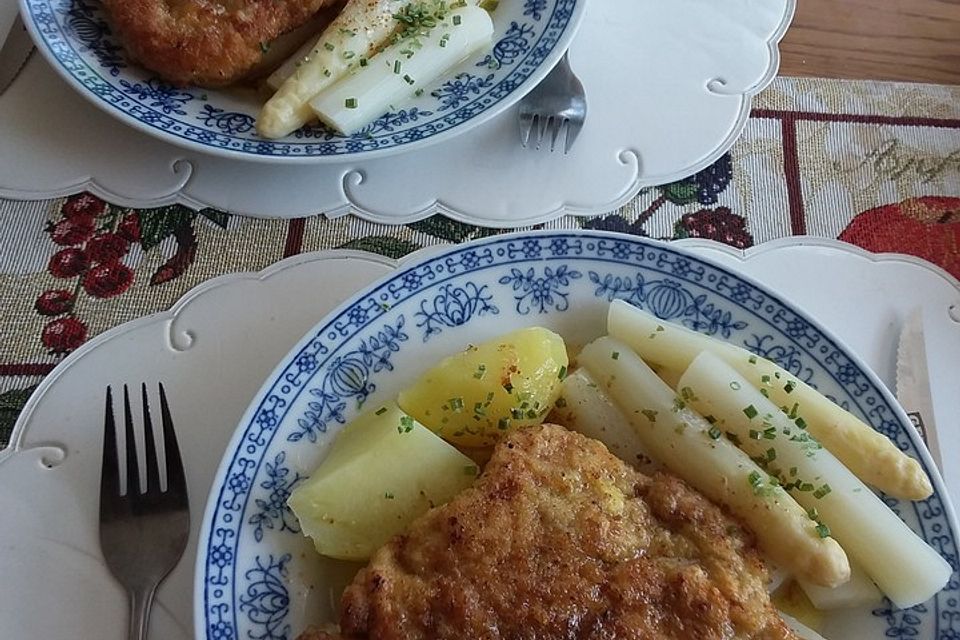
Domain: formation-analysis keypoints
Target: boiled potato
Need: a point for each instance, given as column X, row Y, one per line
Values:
column 474, row 397
column 383, row 471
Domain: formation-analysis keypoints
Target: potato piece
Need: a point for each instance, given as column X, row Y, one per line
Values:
column 383, row 471
column 473, row 397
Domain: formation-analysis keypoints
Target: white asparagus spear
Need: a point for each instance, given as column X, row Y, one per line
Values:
column 859, row 591
column 586, row 408
column 356, row 34
column 399, row 71
column 869, row 454
column 682, row 441
column 867, row 528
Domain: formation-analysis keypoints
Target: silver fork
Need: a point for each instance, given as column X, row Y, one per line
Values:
column 558, row 104
column 144, row 529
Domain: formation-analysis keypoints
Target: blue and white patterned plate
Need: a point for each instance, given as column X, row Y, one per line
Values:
column 258, row 577
column 529, row 38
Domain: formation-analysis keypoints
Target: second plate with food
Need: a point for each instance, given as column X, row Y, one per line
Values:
column 78, row 41
column 258, row 576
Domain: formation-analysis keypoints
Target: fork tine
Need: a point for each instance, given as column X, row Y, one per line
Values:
column 558, row 126
column 573, row 130
column 526, row 125
column 133, row 468
column 153, row 465
column 542, row 128
column 109, row 470
column 176, row 482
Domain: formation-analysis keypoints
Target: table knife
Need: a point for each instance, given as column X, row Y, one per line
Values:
column 13, row 56
column 913, row 382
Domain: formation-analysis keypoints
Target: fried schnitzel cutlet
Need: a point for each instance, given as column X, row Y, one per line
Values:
column 205, row 42
column 559, row 539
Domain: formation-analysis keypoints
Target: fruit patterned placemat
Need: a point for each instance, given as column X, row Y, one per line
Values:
column 874, row 164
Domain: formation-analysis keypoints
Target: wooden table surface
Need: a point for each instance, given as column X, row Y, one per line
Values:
column 910, row 40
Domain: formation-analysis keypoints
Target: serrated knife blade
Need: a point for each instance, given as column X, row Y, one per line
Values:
column 15, row 52
column 913, row 382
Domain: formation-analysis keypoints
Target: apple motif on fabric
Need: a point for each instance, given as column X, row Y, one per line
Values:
column 927, row 227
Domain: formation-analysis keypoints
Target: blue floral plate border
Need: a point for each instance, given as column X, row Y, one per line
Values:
column 75, row 37
column 257, row 577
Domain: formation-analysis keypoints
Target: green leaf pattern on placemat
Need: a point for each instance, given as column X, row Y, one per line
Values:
column 11, row 404
column 384, row 245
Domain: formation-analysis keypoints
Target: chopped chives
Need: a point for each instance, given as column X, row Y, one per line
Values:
column 750, row 411
column 735, row 385
column 328, row 46
column 397, row 66
column 350, row 103
column 714, row 433
column 615, row 355
column 381, row 411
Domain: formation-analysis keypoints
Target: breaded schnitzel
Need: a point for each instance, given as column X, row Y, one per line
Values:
column 558, row 539
column 205, row 42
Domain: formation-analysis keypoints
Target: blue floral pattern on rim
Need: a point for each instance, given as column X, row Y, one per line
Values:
column 538, row 278
column 76, row 37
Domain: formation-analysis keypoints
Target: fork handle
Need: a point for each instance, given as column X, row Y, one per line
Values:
column 141, row 601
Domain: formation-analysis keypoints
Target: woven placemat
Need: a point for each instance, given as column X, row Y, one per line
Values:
column 874, row 164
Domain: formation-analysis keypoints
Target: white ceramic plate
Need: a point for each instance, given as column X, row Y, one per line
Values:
column 75, row 37
column 649, row 124
column 258, row 577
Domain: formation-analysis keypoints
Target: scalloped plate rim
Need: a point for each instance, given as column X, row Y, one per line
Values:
column 514, row 95
column 200, row 582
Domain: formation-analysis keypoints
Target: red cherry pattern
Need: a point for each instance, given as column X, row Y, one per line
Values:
column 92, row 253
column 68, row 263
column 83, row 205
column 73, row 231
column 63, row 334
column 106, row 247
column 54, row 302
column 129, row 227
column 107, row 280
